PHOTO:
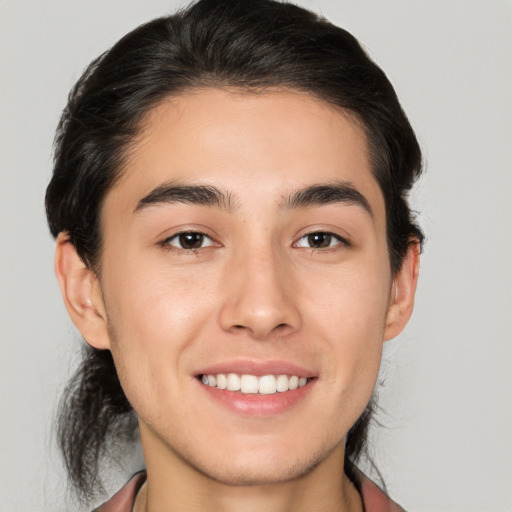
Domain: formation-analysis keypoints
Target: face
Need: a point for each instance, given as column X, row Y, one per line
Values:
column 245, row 245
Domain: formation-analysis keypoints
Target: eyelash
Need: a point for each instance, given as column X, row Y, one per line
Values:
column 340, row 241
column 182, row 250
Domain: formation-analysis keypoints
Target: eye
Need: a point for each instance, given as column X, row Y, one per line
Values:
column 189, row 241
column 320, row 240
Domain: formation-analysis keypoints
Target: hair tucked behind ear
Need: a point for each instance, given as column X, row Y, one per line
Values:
column 252, row 45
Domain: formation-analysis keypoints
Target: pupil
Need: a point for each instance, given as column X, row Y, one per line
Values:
column 191, row 240
column 319, row 240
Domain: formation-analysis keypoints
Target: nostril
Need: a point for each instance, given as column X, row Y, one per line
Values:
column 278, row 327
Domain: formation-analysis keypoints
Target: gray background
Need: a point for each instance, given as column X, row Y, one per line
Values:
column 446, row 382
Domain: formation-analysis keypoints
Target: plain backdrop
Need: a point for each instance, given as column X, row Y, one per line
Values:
column 446, row 383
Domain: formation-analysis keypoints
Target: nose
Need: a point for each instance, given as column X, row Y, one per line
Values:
column 259, row 296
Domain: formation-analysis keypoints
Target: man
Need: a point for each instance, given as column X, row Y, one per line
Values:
column 234, row 244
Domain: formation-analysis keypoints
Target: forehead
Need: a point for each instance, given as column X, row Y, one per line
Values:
column 256, row 146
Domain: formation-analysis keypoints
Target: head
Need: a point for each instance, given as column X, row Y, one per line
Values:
column 144, row 101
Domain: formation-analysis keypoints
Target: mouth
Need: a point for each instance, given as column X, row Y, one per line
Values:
column 248, row 384
column 257, row 388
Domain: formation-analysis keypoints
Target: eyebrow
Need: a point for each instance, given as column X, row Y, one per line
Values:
column 202, row 195
column 211, row 196
column 316, row 195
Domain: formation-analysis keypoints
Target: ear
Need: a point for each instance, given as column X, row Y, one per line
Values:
column 82, row 295
column 403, row 290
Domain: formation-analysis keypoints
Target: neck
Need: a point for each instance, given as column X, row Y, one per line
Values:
column 173, row 484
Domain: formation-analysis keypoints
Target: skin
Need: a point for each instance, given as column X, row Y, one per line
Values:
column 256, row 290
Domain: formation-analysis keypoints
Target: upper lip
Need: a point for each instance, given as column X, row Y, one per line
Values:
column 256, row 367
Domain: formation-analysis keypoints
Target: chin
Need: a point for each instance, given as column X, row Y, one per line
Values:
column 260, row 469
column 250, row 476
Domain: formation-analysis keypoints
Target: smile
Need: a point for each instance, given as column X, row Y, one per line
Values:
column 252, row 384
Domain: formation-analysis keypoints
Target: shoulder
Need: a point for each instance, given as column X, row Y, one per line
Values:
column 123, row 500
column 374, row 498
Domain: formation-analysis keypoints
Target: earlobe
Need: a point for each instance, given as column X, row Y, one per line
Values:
column 81, row 293
column 402, row 292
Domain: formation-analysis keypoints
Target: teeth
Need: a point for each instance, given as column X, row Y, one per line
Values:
column 264, row 385
column 282, row 383
column 267, row 385
column 222, row 381
column 249, row 384
column 233, row 382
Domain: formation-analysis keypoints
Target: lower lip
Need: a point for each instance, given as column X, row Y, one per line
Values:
column 258, row 405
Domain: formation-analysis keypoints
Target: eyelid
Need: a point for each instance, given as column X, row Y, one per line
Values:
column 179, row 229
column 342, row 240
column 176, row 236
column 165, row 239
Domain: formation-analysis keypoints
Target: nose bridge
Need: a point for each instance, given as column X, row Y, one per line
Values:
column 258, row 300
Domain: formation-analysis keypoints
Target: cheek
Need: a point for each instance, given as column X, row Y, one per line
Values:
column 350, row 312
column 353, row 301
column 152, row 298
column 154, row 316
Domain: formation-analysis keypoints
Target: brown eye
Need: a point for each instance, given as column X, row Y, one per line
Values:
column 189, row 241
column 320, row 240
